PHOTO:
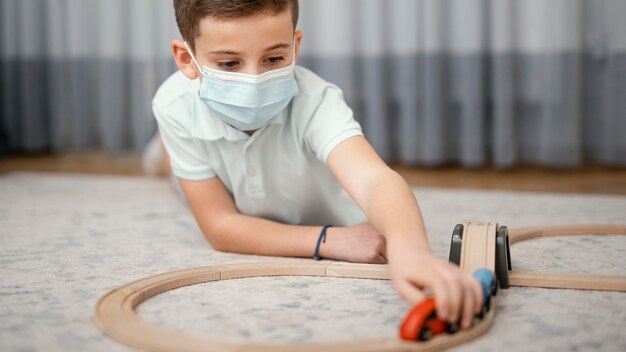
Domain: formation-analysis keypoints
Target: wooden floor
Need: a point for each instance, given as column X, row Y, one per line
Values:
column 589, row 179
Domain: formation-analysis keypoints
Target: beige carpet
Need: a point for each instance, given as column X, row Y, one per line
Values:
column 65, row 240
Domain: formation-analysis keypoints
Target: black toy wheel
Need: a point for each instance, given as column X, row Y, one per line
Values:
column 485, row 309
column 425, row 334
column 452, row 328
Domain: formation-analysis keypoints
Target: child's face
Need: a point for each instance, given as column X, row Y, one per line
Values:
column 252, row 45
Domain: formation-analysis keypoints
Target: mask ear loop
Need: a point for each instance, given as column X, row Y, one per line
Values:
column 192, row 57
column 293, row 51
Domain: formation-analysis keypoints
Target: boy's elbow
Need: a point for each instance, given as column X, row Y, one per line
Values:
column 218, row 239
column 217, row 242
column 217, row 234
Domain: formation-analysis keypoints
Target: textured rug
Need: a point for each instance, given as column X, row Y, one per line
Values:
column 66, row 240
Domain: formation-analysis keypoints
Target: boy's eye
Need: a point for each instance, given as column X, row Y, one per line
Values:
column 275, row 60
column 228, row 65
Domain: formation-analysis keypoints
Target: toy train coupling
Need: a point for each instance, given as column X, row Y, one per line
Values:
column 503, row 252
column 421, row 324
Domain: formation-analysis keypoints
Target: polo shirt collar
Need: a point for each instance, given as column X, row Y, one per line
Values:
column 206, row 125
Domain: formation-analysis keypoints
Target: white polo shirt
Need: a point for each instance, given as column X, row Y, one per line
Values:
column 278, row 173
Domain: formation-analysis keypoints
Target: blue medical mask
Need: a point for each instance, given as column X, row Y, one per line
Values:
column 247, row 102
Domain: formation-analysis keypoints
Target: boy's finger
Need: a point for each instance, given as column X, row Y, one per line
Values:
column 410, row 293
column 442, row 298
column 379, row 260
column 468, row 306
column 478, row 296
column 455, row 300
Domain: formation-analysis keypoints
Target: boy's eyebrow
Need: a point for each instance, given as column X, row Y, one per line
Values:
column 232, row 52
column 224, row 52
column 278, row 46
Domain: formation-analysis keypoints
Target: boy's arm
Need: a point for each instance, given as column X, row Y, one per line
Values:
column 230, row 231
column 390, row 206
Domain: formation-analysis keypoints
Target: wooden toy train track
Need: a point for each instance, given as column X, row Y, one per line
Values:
column 473, row 245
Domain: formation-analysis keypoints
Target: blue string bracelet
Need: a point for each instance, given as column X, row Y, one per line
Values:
column 322, row 238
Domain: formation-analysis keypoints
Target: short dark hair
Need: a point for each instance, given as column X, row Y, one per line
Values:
column 190, row 12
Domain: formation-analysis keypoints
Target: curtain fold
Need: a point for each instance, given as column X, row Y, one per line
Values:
column 80, row 74
column 433, row 82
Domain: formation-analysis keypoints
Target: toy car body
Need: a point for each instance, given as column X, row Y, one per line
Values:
column 421, row 323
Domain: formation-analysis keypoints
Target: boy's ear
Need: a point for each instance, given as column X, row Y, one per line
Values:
column 183, row 60
column 297, row 39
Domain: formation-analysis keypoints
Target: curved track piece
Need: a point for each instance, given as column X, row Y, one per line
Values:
column 527, row 233
column 116, row 317
column 566, row 280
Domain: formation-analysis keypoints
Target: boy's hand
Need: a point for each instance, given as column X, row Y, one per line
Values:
column 357, row 244
column 458, row 295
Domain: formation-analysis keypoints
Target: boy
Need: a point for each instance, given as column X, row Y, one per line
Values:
column 265, row 152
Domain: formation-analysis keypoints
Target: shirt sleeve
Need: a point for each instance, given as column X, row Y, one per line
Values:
column 186, row 157
column 331, row 123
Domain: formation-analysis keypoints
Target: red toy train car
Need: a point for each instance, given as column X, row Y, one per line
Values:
column 422, row 323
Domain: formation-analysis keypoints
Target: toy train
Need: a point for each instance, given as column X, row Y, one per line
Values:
column 422, row 323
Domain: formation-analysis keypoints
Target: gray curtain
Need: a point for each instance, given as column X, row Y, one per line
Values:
column 80, row 74
column 468, row 82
